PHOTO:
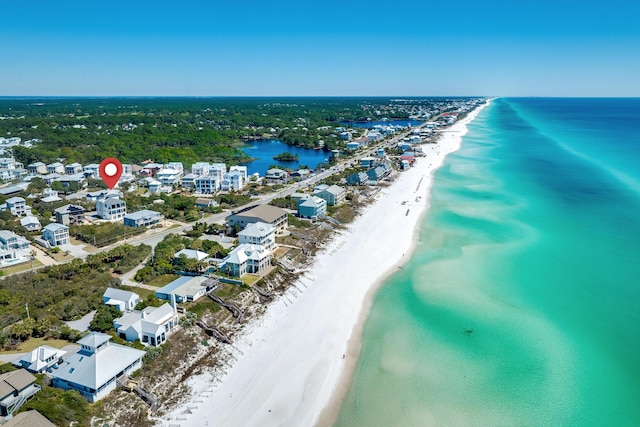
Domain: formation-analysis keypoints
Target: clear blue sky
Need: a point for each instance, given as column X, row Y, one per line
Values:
column 215, row 48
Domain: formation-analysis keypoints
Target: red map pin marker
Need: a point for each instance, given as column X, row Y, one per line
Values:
column 110, row 171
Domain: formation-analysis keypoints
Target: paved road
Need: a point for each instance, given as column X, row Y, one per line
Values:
column 153, row 239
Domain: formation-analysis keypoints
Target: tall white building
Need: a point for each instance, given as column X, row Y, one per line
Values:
column 200, row 168
column 111, row 208
column 206, row 184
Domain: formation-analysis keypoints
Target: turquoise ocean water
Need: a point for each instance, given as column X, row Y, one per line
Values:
column 521, row 304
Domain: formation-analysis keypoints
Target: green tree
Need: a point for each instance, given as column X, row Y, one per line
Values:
column 36, row 185
column 104, row 317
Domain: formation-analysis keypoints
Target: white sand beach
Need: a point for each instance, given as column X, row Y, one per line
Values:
column 290, row 369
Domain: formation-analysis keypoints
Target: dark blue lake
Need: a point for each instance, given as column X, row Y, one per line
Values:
column 263, row 151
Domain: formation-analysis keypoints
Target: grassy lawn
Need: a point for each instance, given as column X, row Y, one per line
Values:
column 203, row 305
column 229, row 291
column 163, row 280
column 21, row 267
column 250, row 279
column 296, row 222
column 140, row 291
column 32, row 343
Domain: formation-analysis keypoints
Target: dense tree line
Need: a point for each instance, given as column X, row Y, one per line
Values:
column 163, row 260
column 178, row 129
column 60, row 293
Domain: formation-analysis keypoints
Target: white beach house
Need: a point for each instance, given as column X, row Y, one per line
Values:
column 151, row 325
column 111, row 208
column 93, row 370
column 333, row 195
column 14, row 249
column 56, row 234
column 40, row 359
column 258, row 233
column 124, row 300
column 246, row 258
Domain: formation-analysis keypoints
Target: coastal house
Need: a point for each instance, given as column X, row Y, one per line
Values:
column 124, row 300
column 10, row 169
column 40, row 359
column 150, row 169
column 30, row 418
column 15, row 388
column 333, row 195
column 295, row 197
column 37, row 168
column 200, row 169
column 300, row 174
column 8, row 163
column 188, row 181
column 187, row 288
column 275, row 174
column 368, row 162
column 94, row 196
column 261, row 213
column 404, row 145
column 56, row 167
column 232, row 181
column 207, row 184
column 176, row 166
column 69, row 215
column 258, row 233
column 379, row 172
column 373, row 136
column 192, row 254
column 358, row 178
column 49, row 179
column 243, row 171
column 127, row 173
column 169, row 177
column 150, row 326
column 14, row 249
column 31, row 223
column 67, row 181
column 111, row 208
column 18, row 206
column 312, row 207
column 156, row 187
column 345, row 135
column 73, row 168
column 203, row 202
column 91, row 170
column 352, row 146
column 408, row 156
column 93, row 370
column 246, row 258
column 143, row 218
column 217, row 170
column 50, row 196
column 56, row 234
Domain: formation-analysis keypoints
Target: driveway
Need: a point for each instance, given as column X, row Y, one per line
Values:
column 82, row 324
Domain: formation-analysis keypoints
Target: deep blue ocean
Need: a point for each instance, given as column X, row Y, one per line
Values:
column 521, row 303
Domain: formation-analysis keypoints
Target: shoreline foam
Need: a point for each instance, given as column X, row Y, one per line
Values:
column 289, row 367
